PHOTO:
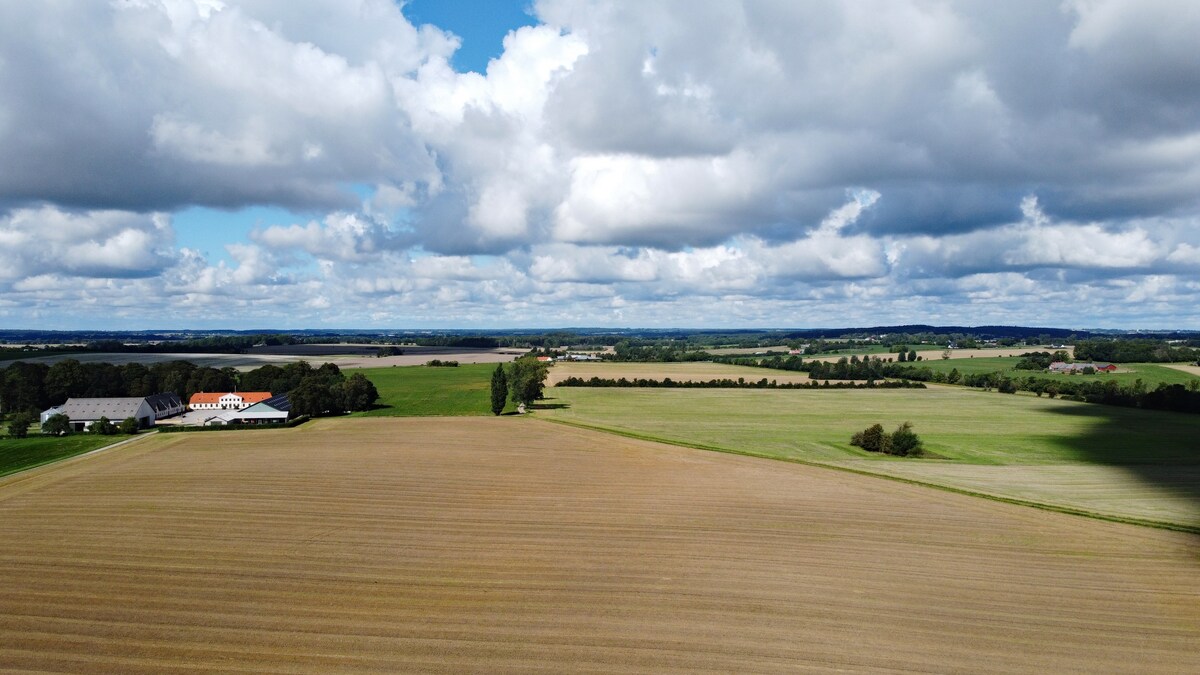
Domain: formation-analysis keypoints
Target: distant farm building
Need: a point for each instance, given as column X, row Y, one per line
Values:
column 203, row 400
column 1072, row 368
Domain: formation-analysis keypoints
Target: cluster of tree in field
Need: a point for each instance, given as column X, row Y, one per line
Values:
column 523, row 381
column 1134, row 351
column 33, row 387
column 903, row 442
column 1041, row 360
column 740, row 383
column 438, row 363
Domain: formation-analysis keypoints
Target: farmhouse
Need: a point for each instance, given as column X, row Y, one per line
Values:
column 203, row 400
column 84, row 411
column 1072, row 368
column 274, row 410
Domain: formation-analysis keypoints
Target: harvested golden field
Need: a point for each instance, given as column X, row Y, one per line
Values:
column 697, row 371
column 1193, row 370
column 509, row 544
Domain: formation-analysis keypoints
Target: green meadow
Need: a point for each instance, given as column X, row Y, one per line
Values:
column 18, row 454
column 1117, row 462
column 410, row 391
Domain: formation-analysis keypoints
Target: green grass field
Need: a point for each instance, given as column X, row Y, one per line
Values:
column 409, row 391
column 1150, row 460
column 17, row 454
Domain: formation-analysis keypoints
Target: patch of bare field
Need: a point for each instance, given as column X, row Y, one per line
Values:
column 1192, row 370
column 699, row 371
column 508, row 544
column 748, row 351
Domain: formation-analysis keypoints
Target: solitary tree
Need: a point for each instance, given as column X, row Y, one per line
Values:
column 103, row 427
column 905, row 441
column 499, row 389
column 18, row 424
column 128, row 425
column 57, row 425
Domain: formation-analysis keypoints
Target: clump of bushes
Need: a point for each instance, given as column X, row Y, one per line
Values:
column 903, row 442
column 438, row 363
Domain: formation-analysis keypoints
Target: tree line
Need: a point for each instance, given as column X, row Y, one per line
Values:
column 33, row 387
column 740, row 383
column 1134, row 351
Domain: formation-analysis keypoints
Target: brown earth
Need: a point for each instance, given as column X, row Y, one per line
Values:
column 509, row 544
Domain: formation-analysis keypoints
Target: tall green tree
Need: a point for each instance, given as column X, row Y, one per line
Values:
column 499, row 389
column 358, row 393
column 527, row 380
column 18, row 424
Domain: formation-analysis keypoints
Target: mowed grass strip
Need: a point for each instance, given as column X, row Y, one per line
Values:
column 510, row 545
column 18, row 454
column 422, row 391
column 1152, row 459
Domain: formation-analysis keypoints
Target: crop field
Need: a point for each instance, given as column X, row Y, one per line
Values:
column 17, row 454
column 513, row 545
column 1149, row 461
column 699, row 371
column 406, row 391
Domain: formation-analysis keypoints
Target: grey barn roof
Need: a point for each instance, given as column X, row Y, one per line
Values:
column 161, row 402
column 115, row 409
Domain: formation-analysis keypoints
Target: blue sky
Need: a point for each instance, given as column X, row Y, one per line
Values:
column 482, row 25
column 310, row 163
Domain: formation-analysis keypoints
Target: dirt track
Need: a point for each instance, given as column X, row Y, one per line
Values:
column 515, row 545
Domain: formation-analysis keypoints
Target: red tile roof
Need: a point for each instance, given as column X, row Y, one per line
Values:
column 248, row 397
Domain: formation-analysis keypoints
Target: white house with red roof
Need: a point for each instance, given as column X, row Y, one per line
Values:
column 235, row 400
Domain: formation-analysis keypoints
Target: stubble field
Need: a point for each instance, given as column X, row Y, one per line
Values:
column 485, row 545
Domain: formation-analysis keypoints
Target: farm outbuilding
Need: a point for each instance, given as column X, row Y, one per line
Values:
column 274, row 410
column 85, row 411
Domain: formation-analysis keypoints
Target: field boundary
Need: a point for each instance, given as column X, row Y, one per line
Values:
column 68, row 458
column 1057, row 508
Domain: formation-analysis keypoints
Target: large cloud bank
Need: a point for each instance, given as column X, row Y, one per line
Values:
column 668, row 163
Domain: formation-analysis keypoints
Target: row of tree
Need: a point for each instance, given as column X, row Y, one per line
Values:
column 740, row 383
column 1134, row 351
column 33, row 387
